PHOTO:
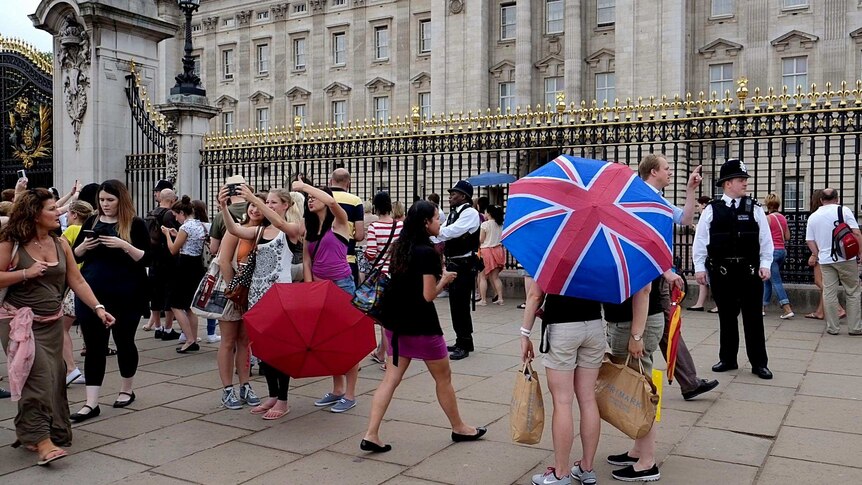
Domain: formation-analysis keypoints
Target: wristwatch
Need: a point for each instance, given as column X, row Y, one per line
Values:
column 637, row 337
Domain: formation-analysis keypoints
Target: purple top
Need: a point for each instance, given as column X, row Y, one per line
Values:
column 329, row 261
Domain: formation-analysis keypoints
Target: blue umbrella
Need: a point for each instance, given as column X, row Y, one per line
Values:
column 491, row 178
column 588, row 228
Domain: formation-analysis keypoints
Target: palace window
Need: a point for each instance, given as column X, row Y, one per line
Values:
column 262, row 59
column 605, row 12
column 553, row 85
column 300, row 8
column 197, row 68
column 425, row 106
column 227, row 121
column 228, row 22
column 794, row 187
column 381, row 109
column 720, row 79
column 263, row 15
column 721, row 8
column 381, row 43
column 299, row 54
column 794, row 73
column 424, row 36
column 605, row 88
column 508, row 26
column 339, row 112
column 794, row 4
column 339, row 48
column 299, row 111
column 554, row 16
column 262, row 119
column 227, row 63
column 507, row 97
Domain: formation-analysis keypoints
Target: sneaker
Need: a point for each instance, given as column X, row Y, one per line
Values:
column 182, row 338
column 550, row 478
column 622, row 459
column 170, row 335
column 586, row 478
column 342, row 405
column 246, row 393
column 328, row 399
column 213, row 338
column 628, row 474
column 80, row 380
column 229, row 399
column 4, row 394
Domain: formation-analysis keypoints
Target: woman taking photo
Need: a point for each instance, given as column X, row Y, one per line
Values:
column 412, row 325
column 114, row 247
column 325, row 258
column 42, row 266
column 493, row 254
column 274, row 265
column 233, row 348
column 79, row 211
column 187, row 245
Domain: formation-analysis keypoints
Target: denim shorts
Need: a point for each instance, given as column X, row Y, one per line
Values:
column 346, row 284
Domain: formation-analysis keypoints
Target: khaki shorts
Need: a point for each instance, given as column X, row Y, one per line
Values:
column 575, row 344
column 618, row 338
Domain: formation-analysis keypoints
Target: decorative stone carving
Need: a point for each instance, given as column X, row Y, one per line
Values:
column 317, row 5
column 279, row 11
column 720, row 47
column 210, row 23
column 379, row 85
column 551, row 65
column 337, row 89
column 260, row 97
column 857, row 35
column 503, row 71
column 75, row 65
column 243, row 17
column 421, row 80
column 456, row 6
column 297, row 94
column 225, row 101
column 602, row 60
column 806, row 41
column 172, row 148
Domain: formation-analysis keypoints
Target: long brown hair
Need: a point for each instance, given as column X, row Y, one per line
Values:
column 125, row 209
column 21, row 227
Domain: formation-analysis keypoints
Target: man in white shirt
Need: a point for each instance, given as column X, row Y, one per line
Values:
column 835, row 268
column 655, row 170
column 733, row 243
column 461, row 235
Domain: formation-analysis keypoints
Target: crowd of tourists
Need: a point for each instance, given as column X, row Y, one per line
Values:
column 89, row 260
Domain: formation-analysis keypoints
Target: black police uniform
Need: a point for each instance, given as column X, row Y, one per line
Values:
column 460, row 255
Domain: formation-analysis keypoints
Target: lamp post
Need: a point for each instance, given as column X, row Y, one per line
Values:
column 188, row 82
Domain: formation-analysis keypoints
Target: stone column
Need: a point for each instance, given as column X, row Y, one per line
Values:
column 524, row 56
column 190, row 117
column 94, row 42
column 573, row 52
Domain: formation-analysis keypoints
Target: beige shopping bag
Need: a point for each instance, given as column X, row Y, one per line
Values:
column 527, row 414
column 627, row 398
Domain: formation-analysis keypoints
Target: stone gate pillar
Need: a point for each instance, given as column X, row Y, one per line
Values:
column 190, row 117
column 94, row 42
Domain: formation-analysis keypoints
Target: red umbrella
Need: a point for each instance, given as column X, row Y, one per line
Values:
column 309, row 329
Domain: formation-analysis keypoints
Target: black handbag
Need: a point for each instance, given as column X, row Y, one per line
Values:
column 238, row 287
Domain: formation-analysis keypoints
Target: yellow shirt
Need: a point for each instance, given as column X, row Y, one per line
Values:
column 71, row 234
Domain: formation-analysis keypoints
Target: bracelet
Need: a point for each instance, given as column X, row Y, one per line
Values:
column 98, row 306
column 526, row 332
column 24, row 273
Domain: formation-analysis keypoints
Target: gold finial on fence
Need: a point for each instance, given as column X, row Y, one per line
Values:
column 742, row 91
column 414, row 116
column 561, row 102
column 297, row 124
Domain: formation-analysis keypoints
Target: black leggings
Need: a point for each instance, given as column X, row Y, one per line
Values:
column 96, row 341
column 277, row 381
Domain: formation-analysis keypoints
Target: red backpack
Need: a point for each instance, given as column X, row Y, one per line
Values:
column 844, row 243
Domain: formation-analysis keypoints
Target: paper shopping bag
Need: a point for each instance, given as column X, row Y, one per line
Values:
column 527, row 414
column 627, row 398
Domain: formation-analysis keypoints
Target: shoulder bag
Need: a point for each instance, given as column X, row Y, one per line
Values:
column 237, row 289
column 369, row 294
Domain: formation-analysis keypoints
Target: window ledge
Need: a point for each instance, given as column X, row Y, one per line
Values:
column 795, row 10
column 506, row 42
column 379, row 62
column 725, row 16
column 605, row 28
column 261, row 75
column 552, row 35
column 424, row 54
column 298, row 71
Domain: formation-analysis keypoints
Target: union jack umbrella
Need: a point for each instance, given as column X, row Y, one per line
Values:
column 588, row 228
column 674, row 329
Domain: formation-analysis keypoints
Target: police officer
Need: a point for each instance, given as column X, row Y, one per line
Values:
column 461, row 236
column 733, row 244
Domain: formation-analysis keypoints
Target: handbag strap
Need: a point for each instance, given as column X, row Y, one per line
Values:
column 383, row 251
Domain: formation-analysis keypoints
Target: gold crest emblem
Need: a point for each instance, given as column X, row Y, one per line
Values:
column 30, row 132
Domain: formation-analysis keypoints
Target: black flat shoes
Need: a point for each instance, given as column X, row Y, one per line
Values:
column 373, row 447
column 80, row 417
column 122, row 404
column 457, row 438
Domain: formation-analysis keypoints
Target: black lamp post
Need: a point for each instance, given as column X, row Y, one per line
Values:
column 188, row 82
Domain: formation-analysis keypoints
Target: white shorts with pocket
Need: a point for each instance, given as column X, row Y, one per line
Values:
column 575, row 344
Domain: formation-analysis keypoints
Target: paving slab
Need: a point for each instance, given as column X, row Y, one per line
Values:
column 835, row 363
column 781, row 379
column 818, row 446
column 227, row 464
column 781, row 471
column 832, row 385
column 470, row 461
column 187, row 365
column 842, row 344
column 748, row 417
column 726, row 446
column 318, row 431
column 98, row 469
column 825, row 413
column 150, row 478
column 476, row 413
column 133, row 424
column 411, row 443
column 328, row 467
column 741, row 391
column 161, row 393
column 680, row 470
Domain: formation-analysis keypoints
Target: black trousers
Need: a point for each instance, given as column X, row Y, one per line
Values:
column 460, row 294
column 96, row 339
column 277, row 382
column 736, row 287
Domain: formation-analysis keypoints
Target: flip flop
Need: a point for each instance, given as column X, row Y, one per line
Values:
column 261, row 409
column 813, row 316
column 714, row 310
column 52, row 455
column 376, row 359
column 274, row 414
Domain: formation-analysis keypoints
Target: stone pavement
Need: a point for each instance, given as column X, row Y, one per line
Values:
column 802, row 426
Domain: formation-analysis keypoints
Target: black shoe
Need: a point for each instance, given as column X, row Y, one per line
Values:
column 158, row 334
column 191, row 348
column 761, row 372
column 628, row 474
column 122, row 404
column 81, row 417
column 4, row 394
column 704, row 386
column 695, row 309
column 170, row 335
column 724, row 366
column 451, row 348
column 494, row 300
column 373, row 447
column 480, row 432
column 459, row 354
column 622, row 459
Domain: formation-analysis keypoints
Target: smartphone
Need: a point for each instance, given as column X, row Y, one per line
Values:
column 22, row 174
column 89, row 233
column 232, row 190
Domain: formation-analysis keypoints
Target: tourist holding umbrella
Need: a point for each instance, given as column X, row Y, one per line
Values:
column 412, row 325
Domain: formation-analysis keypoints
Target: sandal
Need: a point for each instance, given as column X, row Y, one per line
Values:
column 274, row 414
column 377, row 360
column 714, row 310
column 111, row 352
column 813, row 316
column 521, row 306
column 262, row 408
column 52, row 455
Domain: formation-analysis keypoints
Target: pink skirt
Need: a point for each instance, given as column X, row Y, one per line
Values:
column 422, row 347
column 494, row 258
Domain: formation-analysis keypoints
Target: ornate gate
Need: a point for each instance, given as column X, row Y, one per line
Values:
column 26, row 94
column 152, row 142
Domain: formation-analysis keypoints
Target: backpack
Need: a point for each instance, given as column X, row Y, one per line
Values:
column 844, row 243
column 154, row 226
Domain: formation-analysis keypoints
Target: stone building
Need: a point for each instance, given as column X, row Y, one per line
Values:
column 264, row 62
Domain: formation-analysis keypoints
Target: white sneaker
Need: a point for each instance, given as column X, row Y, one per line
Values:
column 213, row 338
column 80, row 380
column 182, row 338
column 74, row 376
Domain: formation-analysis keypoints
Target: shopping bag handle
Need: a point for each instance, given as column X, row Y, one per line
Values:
column 527, row 370
column 640, row 363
